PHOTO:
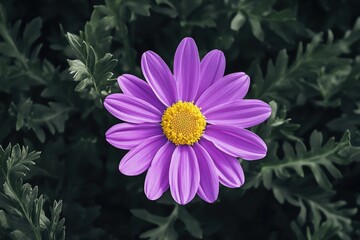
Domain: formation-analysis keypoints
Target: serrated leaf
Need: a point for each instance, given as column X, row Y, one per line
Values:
column 92, row 73
column 318, row 158
column 21, row 208
column 37, row 117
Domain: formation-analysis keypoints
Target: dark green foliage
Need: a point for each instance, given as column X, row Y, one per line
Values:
column 165, row 229
column 59, row 61
column 22, row 215
column 92, row 73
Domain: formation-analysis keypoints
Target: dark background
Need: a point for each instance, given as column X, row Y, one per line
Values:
column 316, row 90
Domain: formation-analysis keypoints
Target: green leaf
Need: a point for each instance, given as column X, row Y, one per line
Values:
column 325, row 230
column 22, row 48
column 145, row 215
column 315, row 204
column 238, row 21
column 21, row 209
column 166, row 225
column 140, row 8
column 320, row 157
column 319, row 57
column 191, row 224
column 18, row 235
column 256, row 29
column 37, row 117
column 165, row 229
column 169, row 8
column 93, row 73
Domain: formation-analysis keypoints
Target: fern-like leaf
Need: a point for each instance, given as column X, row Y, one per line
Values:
column 318, row 158
column 21, row 48
column 93, row 73
column 37, row 117
column 307, row 76
column 315, row 203
column 21, row 209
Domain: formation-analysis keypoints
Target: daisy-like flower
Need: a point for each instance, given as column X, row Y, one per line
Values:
column 186, row 127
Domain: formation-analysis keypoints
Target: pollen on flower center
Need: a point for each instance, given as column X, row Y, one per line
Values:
column 183, row 123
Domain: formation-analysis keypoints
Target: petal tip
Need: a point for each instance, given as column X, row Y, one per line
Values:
column 152, row 198
column 111, row 97
column 152, row 195
column 108, row 135
column 269, row 110
column 146, row 55
column 122, row 78
column 245, row 76
column 126, row 171
column 122, row 168
column 218, row 55
column 188, row 39
column 110, row 103
column 107, row 103
column 239, row 181
column 258, row 156
column 182, row 201
column 209, row 198
column 218, row 52
column 235, row 182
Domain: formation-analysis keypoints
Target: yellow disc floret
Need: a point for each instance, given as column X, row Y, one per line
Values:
column 183, row 123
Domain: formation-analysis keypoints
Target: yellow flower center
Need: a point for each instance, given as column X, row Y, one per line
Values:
column 183, row 123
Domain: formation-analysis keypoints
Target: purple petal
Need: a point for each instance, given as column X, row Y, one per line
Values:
column 209, row 180
column 187, row 69
column 159, row 77
column 131, row 109
column 184, row 176
column 236, row 141
column 134, row 86
column 212, row 68
column 242, row 113
column 157, row 177
column 138, row 159
column 228, row 88
column 228, row 168
column 128, row 135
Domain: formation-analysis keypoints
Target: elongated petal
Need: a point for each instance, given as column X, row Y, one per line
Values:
column 159, row 77
column 209, row 180
column 228, row 88
column 187, row 69
column 138, row 159
column 129, row 135
column 134, row 86
column 228, row 168
column 242, row 113
column 131, row 109
column 157, row 177
column 236, row 141
column 212, row 68
column 184, row 176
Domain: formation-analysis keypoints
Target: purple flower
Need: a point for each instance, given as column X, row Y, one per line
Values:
column 186, row 128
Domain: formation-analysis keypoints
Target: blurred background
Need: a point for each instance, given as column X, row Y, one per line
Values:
column 60, row 59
